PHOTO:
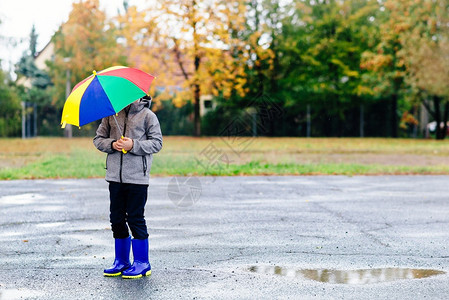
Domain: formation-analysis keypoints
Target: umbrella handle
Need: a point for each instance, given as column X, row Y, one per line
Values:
column 123, row 150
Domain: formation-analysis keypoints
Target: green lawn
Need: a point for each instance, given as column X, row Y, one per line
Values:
column 78, row 158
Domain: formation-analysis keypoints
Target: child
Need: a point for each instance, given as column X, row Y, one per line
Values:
column 128, row 176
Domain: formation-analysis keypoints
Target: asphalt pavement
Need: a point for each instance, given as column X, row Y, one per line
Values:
column 286, row 237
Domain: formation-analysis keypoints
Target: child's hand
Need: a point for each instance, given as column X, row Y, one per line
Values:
column 125, row 143
column 117, row 146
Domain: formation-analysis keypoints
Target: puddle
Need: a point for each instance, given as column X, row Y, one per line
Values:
column 364, row 276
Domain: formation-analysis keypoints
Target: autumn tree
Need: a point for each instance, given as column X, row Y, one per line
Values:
column 425, row 52
column 227, row 66
column 191, row 43
column 191, row 46
column 86, row 42
column 155, row 39
column 257, row 38
column 139, row 36
column 385, row 61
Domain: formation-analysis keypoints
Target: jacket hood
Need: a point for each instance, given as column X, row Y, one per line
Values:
column 142, row 103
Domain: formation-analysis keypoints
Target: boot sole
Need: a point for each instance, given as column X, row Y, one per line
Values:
column 148, row 273
column 112, row 274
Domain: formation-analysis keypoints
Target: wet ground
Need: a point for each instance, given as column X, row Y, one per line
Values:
column 330, row 237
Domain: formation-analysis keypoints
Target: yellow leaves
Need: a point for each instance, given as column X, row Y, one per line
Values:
column 345, row 68
column 163, row 39
column 364, row 90
column 351, row 73
column 181, row 97
column 337, row 62
column 227, row 75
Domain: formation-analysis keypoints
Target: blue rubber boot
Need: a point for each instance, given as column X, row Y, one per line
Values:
column 121, row 261
column 141, row 265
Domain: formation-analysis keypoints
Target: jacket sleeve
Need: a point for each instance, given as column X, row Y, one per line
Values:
column 102, row 139
column 153, row 143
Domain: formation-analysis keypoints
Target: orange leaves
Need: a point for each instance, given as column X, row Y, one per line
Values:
column 408, row 119
column 375, row 62
column 185, row 44
column 401, row 27
column 86, row 41
column 189, row 43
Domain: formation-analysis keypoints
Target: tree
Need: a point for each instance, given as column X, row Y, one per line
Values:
column 173, row 41
column 227, row 66
column 139, row 36
column 86, row 42
column 10, row 108
column 189, row 46
column 425, row 55
column 320, row 51
column 386, row 63
column 33, row 41
column 34, row 95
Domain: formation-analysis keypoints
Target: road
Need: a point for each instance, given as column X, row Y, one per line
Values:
column 259, row 237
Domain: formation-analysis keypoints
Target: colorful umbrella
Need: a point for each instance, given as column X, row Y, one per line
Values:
column 103, row 94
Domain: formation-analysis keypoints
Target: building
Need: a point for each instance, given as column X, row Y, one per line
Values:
column 47, row 54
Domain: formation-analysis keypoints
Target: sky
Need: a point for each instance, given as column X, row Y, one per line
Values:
column 18, row 16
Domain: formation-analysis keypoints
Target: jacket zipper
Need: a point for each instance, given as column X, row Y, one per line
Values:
column 121, row 153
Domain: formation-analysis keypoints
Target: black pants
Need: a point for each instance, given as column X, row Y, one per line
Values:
column 127, row 209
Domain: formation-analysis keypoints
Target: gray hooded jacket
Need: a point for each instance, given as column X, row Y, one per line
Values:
column 142, row 126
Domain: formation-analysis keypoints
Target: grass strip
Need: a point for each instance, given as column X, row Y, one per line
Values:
column 81, row 163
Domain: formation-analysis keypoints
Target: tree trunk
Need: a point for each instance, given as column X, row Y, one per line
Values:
column 424, row 119
column 445, row 117
column 415, row 126
column 309, row 122
column 196, row 95
column 394, row 108
column 28, row 120
column 362, row 121
column 23, row 119
column 35, row 120
column 197, row 117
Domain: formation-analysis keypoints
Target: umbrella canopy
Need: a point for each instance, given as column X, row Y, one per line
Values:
column 104, row 93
